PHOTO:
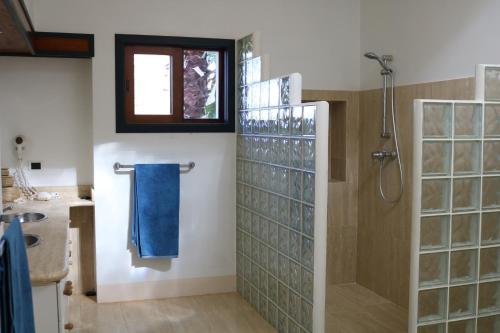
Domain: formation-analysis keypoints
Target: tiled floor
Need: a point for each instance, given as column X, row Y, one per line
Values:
column 352, row 308
column 200, row 314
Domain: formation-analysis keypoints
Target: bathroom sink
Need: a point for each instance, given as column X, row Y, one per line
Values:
column 31, row 240
column 23, row 217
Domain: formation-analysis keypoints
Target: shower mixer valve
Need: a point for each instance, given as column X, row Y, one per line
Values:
column 383, row 154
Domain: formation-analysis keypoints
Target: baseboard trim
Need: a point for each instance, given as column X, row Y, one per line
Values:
column 123, row 292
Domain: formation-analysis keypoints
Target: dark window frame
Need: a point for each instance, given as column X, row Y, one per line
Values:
column 226, row 121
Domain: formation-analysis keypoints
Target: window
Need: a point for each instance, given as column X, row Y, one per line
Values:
column 174, row 84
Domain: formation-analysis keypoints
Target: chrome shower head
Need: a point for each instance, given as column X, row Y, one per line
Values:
column 371, row 55
column 381, row 60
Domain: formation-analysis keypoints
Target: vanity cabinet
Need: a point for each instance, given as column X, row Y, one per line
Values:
column 50, row 303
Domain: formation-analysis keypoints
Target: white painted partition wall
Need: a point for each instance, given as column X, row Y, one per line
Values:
column 455, row 270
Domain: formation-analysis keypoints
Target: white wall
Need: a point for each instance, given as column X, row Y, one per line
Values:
column 430, row 40
column 323, row 39
column 327, row 60
column 49, row 102
column 317, row 38
column 30, row 6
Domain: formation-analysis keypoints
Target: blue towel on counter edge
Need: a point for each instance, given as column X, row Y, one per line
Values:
column 16, row 298
column 155, row 231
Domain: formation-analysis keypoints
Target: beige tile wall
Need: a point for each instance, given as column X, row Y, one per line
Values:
column 383, row 238
column 343, row 195
column 369, row 240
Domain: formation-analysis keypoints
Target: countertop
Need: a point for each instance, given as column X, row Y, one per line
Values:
column 48, row 262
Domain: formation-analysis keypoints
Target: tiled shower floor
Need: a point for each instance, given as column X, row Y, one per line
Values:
column 352, row 308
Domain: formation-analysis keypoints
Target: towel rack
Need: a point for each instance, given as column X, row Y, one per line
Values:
column 187, row 167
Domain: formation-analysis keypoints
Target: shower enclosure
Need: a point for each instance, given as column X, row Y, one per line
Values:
column 318, row 249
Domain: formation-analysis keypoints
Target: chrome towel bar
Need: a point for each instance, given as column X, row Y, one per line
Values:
column 185, row 168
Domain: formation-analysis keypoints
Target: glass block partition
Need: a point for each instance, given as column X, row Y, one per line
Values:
column 455, row 279
column 281, row 198
column 488, row 83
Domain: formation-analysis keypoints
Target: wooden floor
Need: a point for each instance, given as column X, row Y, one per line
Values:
column 208, row 314
column 352, row 308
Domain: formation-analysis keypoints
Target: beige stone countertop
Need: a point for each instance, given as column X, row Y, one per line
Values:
column 48, row 261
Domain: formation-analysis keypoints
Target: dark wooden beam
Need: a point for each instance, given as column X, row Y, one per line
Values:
column 58, row 45
column 18, row 38
column 64, row 45
column 15, row 28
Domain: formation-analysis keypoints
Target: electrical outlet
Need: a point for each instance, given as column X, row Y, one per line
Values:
column 35, row 165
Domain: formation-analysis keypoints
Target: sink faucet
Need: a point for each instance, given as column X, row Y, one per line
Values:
column 6, row 208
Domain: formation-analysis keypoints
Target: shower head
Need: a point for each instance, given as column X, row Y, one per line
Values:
column 371, row 55
column 381, row 60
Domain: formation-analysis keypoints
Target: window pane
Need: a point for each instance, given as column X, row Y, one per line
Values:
column 152, row 84
column 200, row 84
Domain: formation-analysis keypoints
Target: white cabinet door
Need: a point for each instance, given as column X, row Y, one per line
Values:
column 46, row 309
column 63, row 306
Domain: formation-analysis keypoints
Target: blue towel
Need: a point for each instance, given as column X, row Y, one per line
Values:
column 16, row 299
column 155, row 231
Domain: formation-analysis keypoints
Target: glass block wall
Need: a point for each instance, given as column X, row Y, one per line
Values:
column 276, row 205
column 456, row 217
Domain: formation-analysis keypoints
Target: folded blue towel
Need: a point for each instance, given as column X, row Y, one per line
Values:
column 155, row 231
column 16, row 299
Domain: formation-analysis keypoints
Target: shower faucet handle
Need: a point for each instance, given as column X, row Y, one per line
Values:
column 383, row 154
